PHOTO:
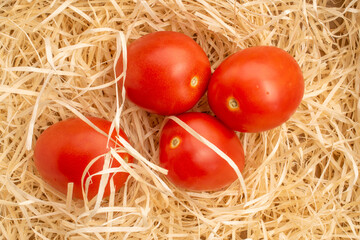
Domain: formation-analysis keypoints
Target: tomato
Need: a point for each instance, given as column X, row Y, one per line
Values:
column 193, row 165
column 256, row 89
column 63, row 151
column 167, row 72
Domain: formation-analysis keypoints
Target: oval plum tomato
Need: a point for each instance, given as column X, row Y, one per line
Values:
column 63, row 151
column 256, row 89
column 191, row 164
column 167, row 72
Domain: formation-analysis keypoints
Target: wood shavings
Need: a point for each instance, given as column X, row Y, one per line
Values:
column 301, row 180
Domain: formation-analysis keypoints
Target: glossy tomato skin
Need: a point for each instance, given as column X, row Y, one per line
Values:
column 190, row 163
column 63, row 151
column 167, row 72
column 256, row 89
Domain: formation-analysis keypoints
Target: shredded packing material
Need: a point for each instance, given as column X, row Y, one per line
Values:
column 301, row 180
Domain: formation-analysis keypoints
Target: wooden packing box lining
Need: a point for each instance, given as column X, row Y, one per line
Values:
column 302, row 179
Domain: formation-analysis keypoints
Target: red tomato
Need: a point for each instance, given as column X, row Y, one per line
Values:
column 256, row 89
column 193, row 165
column 63, row 151
column 167, row 72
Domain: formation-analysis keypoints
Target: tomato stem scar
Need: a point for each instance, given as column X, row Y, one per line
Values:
column 175, row 142
column 194, row 81
column 232, row 104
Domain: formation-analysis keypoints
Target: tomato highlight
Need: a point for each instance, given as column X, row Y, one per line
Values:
column 167, row 72
column 191, row 164
column 256, row 89
column 64, row 150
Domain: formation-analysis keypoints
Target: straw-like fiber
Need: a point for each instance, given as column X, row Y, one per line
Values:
column 301, row 180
